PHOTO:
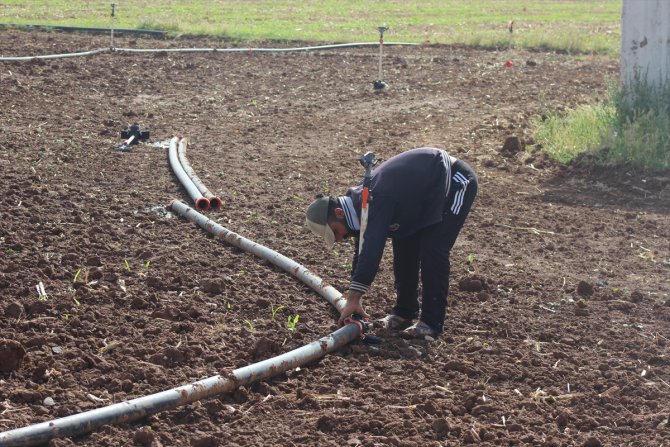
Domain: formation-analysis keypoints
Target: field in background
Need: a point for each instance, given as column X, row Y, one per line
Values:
column 579, row 26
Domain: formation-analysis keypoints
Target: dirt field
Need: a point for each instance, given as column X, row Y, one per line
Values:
column 556, row 335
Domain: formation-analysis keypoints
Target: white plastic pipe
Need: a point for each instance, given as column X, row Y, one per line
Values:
column 214, row 201
column 194, row 193
column 259, row 50
column 52, row 56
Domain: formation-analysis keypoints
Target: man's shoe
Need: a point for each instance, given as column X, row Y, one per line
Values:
column 393, row 323
column 419, row 330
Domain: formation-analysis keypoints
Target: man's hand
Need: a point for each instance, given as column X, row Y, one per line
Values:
column 353, row 306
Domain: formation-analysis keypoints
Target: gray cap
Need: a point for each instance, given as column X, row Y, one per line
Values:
column 317, row 220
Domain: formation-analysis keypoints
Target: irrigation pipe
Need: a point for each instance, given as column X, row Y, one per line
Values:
column 314, row 282
column 214, row 201
column 53, row 56
column 260, row 50
column 141, row 407
column 200, row 202
column 194, row 50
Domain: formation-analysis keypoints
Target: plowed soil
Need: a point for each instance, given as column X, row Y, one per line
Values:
column 559, row 311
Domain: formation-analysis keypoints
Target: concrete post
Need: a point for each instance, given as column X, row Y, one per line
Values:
column 645, row 41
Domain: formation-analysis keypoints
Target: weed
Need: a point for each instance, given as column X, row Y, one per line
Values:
column 76, row 275
column 292, row 323
column 275, row 310
column 250, row 324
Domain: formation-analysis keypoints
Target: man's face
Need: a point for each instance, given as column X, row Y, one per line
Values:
column 340, row 230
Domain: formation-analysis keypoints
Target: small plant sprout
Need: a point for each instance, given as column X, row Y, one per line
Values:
column 76, row 276
column 250, row 324
column 228, row 305
column 470, row 259
column 76, row 302
column 292, row 322
column 126, row 265
column 147, row 264
column 275, row 310
column 41, row 293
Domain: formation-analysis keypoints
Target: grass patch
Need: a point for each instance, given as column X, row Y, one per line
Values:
column 571, row 25
column 565, row 135
column 632, row 126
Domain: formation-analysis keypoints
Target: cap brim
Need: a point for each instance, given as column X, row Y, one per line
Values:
column 324, row 231
column 329, row 237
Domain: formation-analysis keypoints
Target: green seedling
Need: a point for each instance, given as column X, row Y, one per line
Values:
column 76, row 302
column 470, row 259
column 292, row 322
column 76, row 276
column 250, row 324
column 275, row 310
column 228, row 305
column 147, row 264
column 126, row 265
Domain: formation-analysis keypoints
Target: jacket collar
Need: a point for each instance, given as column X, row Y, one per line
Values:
column 350, row 213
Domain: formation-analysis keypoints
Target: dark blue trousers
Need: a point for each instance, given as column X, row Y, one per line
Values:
column 426, row 254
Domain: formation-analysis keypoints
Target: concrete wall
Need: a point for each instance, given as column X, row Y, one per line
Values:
column 645, row 40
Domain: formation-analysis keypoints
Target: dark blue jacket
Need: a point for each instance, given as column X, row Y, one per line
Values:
column 407, row 194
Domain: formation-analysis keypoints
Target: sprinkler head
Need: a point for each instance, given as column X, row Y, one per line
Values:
column 134, row 131
column 379, row 85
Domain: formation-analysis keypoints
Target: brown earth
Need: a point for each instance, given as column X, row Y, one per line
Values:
column 556, row 336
